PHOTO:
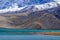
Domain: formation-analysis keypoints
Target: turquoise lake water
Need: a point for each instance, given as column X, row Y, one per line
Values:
column 29, row 37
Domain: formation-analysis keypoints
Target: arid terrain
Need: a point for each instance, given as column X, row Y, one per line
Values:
column 30, row 20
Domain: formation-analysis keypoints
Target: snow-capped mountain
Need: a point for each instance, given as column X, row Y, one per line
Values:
column 29, row 13
column 23, row 5
column 30, row 7
column 41, row 7
column 8, row 3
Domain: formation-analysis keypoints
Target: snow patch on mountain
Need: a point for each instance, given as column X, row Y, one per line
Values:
column 46, row 6
column 13, row 8
column 38, row 7
column 57, row 1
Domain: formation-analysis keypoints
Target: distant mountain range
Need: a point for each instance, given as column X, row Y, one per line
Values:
column 53, row 9
column 20, row 3
column 35, row 5
column 34, row 16
column 30, row 19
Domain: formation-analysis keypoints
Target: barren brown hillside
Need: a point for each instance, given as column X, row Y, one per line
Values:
column 31, row 21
